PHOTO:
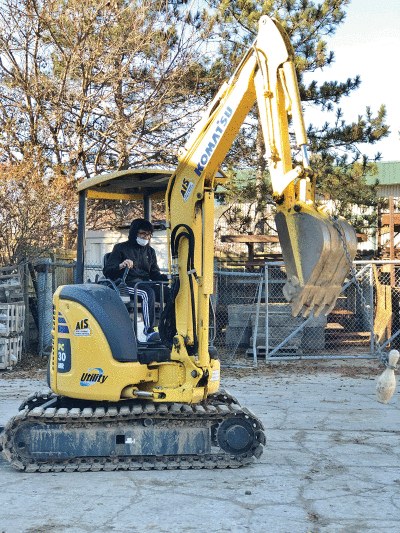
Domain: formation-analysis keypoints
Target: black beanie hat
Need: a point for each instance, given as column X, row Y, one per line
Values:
column 145, row 225
column 137, row 224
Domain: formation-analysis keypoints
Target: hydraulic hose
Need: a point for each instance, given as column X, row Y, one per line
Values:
column 191, row 271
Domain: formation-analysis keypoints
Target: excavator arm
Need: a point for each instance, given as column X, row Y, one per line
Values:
column 316, row 251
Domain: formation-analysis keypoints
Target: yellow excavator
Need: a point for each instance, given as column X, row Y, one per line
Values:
column 116, row 404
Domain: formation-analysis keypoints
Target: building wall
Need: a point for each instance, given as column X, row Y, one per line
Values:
column 98, row 243
column 389, row 190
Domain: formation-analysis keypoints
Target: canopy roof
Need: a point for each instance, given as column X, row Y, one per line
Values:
column 132, row 184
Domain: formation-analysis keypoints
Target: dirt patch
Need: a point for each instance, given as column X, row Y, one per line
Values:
column 34, row 367
column 31, row 366
column 352, row 368
column 44, row 529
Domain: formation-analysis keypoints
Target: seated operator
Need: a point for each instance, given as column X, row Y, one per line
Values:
column 137, row 254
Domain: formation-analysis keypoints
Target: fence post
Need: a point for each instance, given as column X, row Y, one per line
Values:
column 53, row 273
column 266, row 299
column 26, row 342
column 371, row 296
column 45, row 305
column 255, row 332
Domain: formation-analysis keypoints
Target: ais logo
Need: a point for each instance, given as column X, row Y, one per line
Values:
column 82, row 328
column 92, row 376
column 187, row 188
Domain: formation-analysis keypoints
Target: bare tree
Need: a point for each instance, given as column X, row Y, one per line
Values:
column 31, row 212
column 88, row 86
column 98, row 85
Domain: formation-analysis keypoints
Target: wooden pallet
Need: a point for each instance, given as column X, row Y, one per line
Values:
column 10, row 285
column 261, row 352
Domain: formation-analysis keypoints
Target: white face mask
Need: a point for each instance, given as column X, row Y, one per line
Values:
column 142, row 242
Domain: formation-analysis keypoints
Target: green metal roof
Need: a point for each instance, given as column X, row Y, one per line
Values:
column 388, row 173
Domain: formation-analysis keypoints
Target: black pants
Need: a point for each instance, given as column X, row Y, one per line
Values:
column 147, row 297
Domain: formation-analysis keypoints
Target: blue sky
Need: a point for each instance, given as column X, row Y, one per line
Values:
column 368, row 44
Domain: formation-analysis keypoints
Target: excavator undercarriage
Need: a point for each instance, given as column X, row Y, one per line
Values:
column 53, row 433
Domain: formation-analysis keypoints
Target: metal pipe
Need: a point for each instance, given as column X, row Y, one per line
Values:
column 143, row 394
column 304, row 155
column 147, row 207
column 359, row 273
column 291, row 335
column 80, row 248
column 266, row 299
column 391, row 231
column 256, row 323
column 364, row 262
column 379, row 262
column 26, row 337
column 236, row 366
column 316, row 357
column 390, row 339
column 243, row 274
column 371, row 308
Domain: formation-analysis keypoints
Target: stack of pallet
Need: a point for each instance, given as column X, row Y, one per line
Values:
column 12, row 317
column 281, row 324
column 238, row 329
column 241, row 328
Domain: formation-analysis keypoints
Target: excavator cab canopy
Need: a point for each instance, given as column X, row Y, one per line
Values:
column 131, row 184
column 139, row 184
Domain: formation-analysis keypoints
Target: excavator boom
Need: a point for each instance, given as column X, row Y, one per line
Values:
column 316, row 251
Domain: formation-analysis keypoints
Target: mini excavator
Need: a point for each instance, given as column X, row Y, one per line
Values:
column 114, row 405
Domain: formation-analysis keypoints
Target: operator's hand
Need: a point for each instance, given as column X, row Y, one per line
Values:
column 127, row 263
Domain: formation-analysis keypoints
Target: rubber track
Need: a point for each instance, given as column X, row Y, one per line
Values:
column 218, row 408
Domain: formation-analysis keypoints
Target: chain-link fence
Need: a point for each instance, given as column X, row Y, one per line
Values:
column 39, row 280
column 249, row 316
column 93, row 273
column 253, row 317
column 233, row 304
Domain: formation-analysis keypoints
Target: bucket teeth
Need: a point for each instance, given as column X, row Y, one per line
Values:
column 315, row 259
column 308, row 306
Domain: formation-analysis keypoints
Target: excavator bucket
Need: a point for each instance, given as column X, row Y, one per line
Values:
column 317, row 258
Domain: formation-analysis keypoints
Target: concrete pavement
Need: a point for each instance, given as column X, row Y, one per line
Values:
column 331, row 465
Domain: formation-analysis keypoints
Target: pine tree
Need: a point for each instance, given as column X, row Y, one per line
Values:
column 335, row 155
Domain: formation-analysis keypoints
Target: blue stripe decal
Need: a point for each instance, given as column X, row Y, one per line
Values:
column 63, row 329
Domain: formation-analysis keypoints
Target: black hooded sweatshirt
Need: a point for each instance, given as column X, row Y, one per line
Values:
column 145, row 267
